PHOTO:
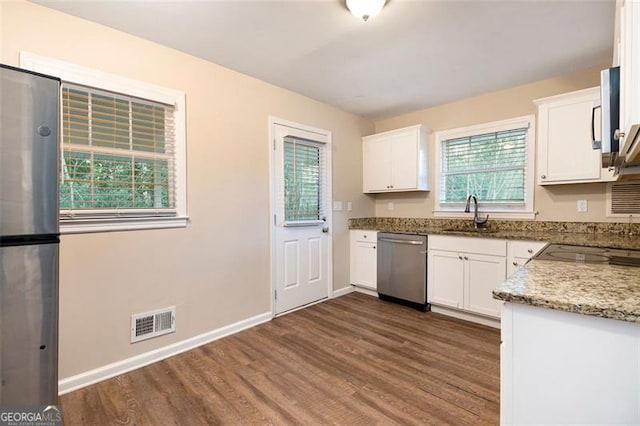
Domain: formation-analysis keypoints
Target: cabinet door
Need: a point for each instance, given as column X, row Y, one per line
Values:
column 518, row 252
column 565, row 153
column 630, row 79
column 365, row 265
column 376, row 159
column 404, row 161
column 445, row 278
column 484, row 273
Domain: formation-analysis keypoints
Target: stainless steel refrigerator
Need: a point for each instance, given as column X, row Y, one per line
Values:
column 29, row 237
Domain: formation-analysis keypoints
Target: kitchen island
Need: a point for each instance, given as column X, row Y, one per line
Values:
column 570, row 351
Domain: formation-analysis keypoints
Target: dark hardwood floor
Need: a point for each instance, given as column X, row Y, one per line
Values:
column 351, row 360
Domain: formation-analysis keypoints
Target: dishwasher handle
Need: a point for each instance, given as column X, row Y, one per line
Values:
column 397, row 241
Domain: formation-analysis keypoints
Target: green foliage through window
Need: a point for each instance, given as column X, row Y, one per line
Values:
column 117, row 152
column 302, row 180
column 491, row 166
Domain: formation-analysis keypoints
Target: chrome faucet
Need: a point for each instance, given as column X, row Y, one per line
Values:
column 477, row 222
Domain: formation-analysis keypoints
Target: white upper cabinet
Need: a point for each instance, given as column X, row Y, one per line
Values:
column 565, row 152
column 395, row 161
column 629, row 57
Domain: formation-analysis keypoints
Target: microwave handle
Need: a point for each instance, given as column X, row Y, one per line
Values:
column 594, row 143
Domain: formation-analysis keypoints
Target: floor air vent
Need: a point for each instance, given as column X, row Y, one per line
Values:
column 152, row 324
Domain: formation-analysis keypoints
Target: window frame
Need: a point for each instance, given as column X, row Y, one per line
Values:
column 498, row 212
column 84, row 76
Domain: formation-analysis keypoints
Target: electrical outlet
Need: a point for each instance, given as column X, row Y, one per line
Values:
column 582, row 206
column 389, row 205
column 349, row 206
column 337, row 206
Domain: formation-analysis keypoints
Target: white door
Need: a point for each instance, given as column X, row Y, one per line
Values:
column 484, row 274
column 445, row 275
column 376, row 153
column 301, row 239
column 404, row 160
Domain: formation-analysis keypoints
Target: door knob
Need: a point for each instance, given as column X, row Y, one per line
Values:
column 44, row 130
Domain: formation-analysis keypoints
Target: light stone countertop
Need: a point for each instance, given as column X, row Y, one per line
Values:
column 606, row 291
column 589, row 234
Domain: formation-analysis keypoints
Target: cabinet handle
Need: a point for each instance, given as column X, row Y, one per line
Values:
column 543, row 177
column 459, row 257
column 391, row 186
column 530, row 251
column 466, row 258
column 374, row 247
column 594, row 143
column 364, row 236
column 515, row 263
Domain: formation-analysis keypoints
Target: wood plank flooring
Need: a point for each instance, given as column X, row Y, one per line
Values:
column 354, row 360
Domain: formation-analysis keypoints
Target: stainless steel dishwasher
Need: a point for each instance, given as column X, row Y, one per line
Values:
column 402, row 269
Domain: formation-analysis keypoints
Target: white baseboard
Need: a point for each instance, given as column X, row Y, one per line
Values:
column 495, row 323
column 90, row 377
column 366, row 291
column 343, row 291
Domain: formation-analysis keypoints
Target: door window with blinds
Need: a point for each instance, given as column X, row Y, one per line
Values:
column 118, row 155
column 492, row 161
column 303, row 181
column 123, row 150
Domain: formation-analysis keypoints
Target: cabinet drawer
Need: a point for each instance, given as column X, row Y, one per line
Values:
column 468, row 245
column 524, row 249
column 364, row 236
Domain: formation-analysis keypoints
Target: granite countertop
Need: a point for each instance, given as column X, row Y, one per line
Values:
column 589, row 234
column 606, row 291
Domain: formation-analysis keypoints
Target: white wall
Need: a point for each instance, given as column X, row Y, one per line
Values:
column 217, row 270
column 553, row 202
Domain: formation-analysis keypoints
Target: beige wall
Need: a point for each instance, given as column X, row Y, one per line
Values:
column 217, row 270
column 555, row 202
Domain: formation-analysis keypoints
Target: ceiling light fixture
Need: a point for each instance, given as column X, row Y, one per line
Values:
column 365, row 9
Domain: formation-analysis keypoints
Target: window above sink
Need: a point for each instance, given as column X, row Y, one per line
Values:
column 493, row 161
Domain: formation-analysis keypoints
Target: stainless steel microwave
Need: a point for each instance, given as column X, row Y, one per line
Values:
column 610, row 102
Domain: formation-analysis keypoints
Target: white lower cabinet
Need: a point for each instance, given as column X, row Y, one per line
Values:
column 519, row 252
column 484, row 273
column 445, row 269
column 363, row 262
column 462, row 273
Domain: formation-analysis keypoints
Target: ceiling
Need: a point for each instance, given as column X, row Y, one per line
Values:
column 415, row 54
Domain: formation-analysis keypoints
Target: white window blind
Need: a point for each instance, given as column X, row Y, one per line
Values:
column 303, row 180
column 492, row 166
column 118, row 155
